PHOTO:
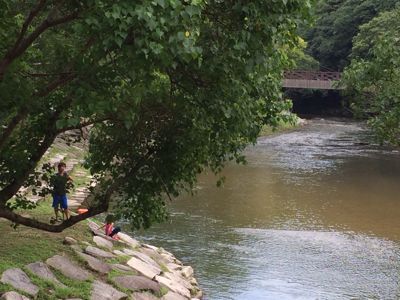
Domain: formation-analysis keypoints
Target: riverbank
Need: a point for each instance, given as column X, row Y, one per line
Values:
column 131, row 269
column 48, row 266
column 283, row 126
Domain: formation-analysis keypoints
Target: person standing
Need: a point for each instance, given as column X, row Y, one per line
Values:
column 59, row 184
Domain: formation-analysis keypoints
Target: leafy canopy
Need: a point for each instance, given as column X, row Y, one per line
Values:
column 338, row 21
column 169, row 88
column 373, row 78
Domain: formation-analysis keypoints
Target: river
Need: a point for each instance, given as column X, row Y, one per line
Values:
column 315, row 214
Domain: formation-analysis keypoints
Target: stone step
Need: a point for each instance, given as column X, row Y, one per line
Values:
column 20, row 281
column 103, row 291
column 13, row 296
column 137, row 283
column 68, row 268
column 41, row 270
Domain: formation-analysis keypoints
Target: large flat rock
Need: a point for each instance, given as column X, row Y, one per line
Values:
column 143, row 296
column 93, row 226
column 103, row 291
column 143, row 257
column 13, row 296
column 119, row 253
column 128, row 239
column 68, row 268
column 143, row 268
column 154, row 254
column 173, row 286
column 174, row 267
column 41, row 270
column 137, row 283
column 95, row 264
column 173, row 296
column 70, row 241
column 122, row 268
column 19, row 280
column 102, row 242
column 187, row 271
column 94, row 251
column 176, row 277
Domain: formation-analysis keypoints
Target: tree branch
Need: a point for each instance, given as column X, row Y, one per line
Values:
column 83, row 124
column 16, row 218
column 62, row 80
column 21, row 114
column 9, row 191
column 33, row 13
column 23, row 44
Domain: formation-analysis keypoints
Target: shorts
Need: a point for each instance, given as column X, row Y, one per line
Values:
column 60, row 201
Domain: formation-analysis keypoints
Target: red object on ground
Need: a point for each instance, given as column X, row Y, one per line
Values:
column 82, row 210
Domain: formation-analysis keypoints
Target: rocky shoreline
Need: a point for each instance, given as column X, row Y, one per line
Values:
column 115, row 270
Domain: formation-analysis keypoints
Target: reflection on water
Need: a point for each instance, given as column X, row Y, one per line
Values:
column 315, row 214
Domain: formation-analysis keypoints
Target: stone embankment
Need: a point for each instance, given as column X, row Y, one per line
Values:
column 115, row 270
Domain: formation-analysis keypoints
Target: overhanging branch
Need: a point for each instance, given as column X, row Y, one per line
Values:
column 18, row 219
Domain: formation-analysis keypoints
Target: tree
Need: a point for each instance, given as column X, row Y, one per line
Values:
column 373, row 77
column 168, row 87
column 330, row 40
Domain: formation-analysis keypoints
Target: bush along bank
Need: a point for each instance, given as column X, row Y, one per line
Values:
column 283, row 126
column 104, row 269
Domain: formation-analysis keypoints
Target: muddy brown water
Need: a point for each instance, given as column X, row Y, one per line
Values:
column 315, row 214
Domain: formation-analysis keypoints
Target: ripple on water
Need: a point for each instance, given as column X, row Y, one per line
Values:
column 318, row 265
column 319, row 147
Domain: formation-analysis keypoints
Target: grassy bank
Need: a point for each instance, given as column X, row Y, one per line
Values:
column 283, row 126
column 25, row 245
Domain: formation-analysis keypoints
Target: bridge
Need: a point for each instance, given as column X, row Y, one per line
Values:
column 298, row 79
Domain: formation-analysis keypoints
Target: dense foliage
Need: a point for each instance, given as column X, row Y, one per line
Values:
column 338, row 21
column 373, row 78
column 169, row 87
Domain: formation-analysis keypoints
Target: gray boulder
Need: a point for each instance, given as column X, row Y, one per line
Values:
column 187, row 271
column 95, row 264
column 67, row 268
column 19, row 280
column 70, row 241
column 128, row 239
column 137, row 283
column 143, row 296
column 173, row 286
column 13, row 296
column 101, row 242
column 143, row 268
column 143, row 257
column 173, row 296
column 103, row 291
column 98, row 252
column 41, row 270
column 122, row 268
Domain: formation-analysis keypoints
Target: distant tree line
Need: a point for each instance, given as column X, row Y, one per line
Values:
column 362, row 39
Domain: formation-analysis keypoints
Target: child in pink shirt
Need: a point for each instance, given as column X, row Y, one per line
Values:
column 110, row 230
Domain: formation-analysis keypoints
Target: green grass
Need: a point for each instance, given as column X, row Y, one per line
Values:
column 119, row 259
column 163, row 267
column 80, row 181
column 116, row 273
column 163, row 291
column 281, row 127
column 25, row 245
column 52, row 291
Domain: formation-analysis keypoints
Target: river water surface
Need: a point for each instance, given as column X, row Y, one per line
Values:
column 315, row 214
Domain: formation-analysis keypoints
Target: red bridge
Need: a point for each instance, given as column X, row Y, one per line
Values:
column 299, row 79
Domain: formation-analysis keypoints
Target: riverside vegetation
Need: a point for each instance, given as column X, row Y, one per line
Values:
column 128, row 269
